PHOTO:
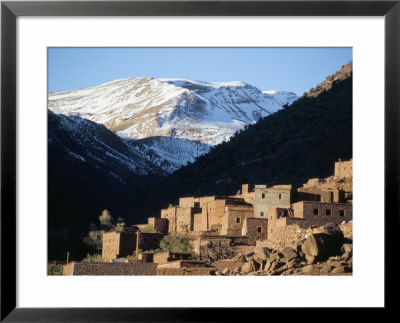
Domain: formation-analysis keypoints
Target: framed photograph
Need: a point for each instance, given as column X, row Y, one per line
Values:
column 166, row 113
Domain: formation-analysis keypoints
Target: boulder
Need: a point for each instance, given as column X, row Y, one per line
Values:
column 324, row 244
column 226, row 271
column 268, row 265
column 340, row 270
column 307, row 269
column 289, row 253
column 347, row 247
column 248, row 267
column 261, row 252
column 325, row 269
column 240, row 257
column 311, row 259
column 291, row 263
column 347, row 255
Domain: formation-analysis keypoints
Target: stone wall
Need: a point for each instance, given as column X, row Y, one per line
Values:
column 344, row 169
column 233, row 219
column 321, row 213
column 159, row 224
column 110, row 269
column 118, row 244
column 170, row 215
column 165, row 257
column 200, row 222
column 185, row 271
column 68, row 269
column 283, row 236
column 255, row 229
column 266, row 198
column 320, row 195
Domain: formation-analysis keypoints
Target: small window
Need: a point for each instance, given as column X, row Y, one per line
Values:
column 237, row 220
column 263, row 195
column 259, row 229
column 261, row 213
column 328, row 211
column 315, row 211
column 280, row 196
column 341, row 212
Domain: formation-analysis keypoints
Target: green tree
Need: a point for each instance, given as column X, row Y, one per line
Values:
column 106, row 219
column 94, row 239
column 175, row 244
column 120, row 226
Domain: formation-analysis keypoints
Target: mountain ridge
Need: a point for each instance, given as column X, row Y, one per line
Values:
column 138, row 108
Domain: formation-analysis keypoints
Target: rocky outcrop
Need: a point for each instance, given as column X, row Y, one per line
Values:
column 324, row 251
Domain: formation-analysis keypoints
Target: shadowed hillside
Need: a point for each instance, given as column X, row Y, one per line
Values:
column 299, row 142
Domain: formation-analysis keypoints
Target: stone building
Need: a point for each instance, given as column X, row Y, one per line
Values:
column 246, row 193
column 118, row 244
column 202, row 214
column 268, row 197
column 344, row 169
column 305, row 214
column 255, row 229
column 123, row 244
column 320, row 195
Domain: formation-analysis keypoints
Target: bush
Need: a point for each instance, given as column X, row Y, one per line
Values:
column 149, row 229
column 93, row 258
column 175, row 244
column 54, row 270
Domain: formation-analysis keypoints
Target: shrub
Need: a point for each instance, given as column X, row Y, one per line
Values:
column 175, row 244
column 54, row 270
column 93, row 258
column 149, row 229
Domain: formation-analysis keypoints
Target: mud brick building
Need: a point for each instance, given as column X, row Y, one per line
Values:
column 344, row 169
column 255, row 229
column 320, row 195
column 118, row 244
column 123, row 244
column 246, row 193
column 268, row 197
column 305, row 214
column 211, row 213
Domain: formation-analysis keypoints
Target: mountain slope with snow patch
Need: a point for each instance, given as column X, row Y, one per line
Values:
column 198, row 114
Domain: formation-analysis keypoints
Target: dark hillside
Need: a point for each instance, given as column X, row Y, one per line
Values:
column 289, row 147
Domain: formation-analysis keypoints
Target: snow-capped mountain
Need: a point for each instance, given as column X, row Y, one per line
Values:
column 179, row 118
column 88, row 145
column 282, row 97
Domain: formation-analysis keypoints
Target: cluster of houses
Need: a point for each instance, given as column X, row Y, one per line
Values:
column 256, row 212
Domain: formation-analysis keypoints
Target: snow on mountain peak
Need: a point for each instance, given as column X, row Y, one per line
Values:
column 206, row 113
column 283, row 97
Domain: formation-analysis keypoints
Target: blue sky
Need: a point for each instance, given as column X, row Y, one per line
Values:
column 293, row 69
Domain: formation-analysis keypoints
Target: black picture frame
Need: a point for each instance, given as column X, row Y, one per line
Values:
column 10, row 10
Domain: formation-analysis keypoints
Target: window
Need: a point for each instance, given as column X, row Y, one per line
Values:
column 280, row 196
column 259, row 229
column 315, row 211
column 341, row 212
column 261, row 213
column 328, row 211
column 237, row 220
column 263, row 195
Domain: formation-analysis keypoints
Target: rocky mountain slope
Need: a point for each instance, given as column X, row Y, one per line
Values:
column 288, row 147
column 193, row 115
column 85, row 142
column 89, row 169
